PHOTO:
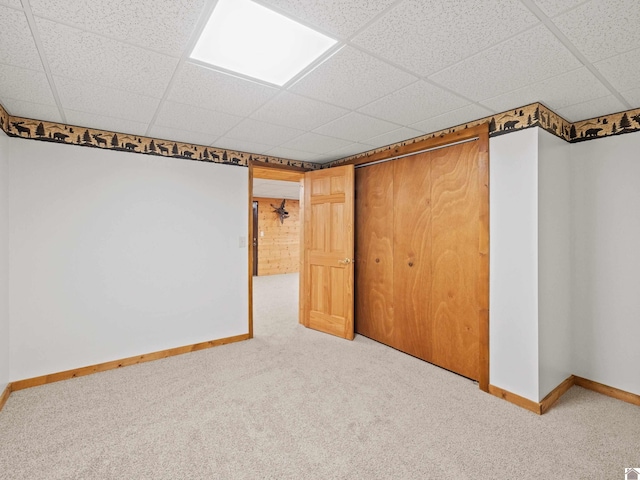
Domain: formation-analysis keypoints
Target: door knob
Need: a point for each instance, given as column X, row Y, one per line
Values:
column 346, row 261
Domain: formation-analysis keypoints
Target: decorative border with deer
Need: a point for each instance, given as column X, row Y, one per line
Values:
column 90, row 137
column 533, row 115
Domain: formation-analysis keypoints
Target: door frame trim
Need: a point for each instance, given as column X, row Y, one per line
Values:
column 269, row 172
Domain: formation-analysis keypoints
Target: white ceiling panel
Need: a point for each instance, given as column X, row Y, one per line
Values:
column 622, row 71
column 633, row 97
column 602, row 28
column 276, row 189
column 206, row 88
column 426, row 36
column 551, row 8
column 261, row 132
column 17, row 46
column 290, row 110
column 194, row 119
column 342, row 18
column 85, row 97
column 356, row 127
column 592, row 109
column 226, row 143
column 99, row 60
column 11, row 3
column 23, row 84
column 38, row 111
column 102, row 122
column 351, row 79
column 418, row 101
column 161, row 25
column 452, row 119
column 528, row 58
column 394, row 136
column 347, row 151
column 292, row 154
column 573, row 87
column 177, row 135
column 315, row 143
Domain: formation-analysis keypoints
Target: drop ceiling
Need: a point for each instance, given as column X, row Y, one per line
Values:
column 401, row 69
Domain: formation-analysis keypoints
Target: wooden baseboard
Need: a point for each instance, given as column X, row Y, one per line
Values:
column 102, row 367
column 607, row 390
column 5, row 396
column 515, row 399
column 555, row 394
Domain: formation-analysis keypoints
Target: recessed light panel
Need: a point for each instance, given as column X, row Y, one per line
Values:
column 247, row 38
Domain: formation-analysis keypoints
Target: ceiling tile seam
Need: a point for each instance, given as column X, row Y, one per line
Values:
column 103, row 35
column 562, row 38
column 18, row 9
column 43, row 58
column 570, row 9
column 374, row 20
column 314, row 65
column 107, row 86
column 195, row 34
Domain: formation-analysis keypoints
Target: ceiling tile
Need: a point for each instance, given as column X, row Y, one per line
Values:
column 356, row 127
column 101, row 122
column 552, row 8
column 394, row 136
column 567, row 89
column 275, row 189
column 206, row 88
column 418, row 101
column 623, row 71
column 292, row 110
column 194, row 119
column 23, row 84
column 351, row 79
column 16, row 42
column 12, row 3
column 592, row 109
column 314, row 143
column 426, row 36
column 161, row 25
column 453, row 119
column 261, row 132
column 240, row 145
column 338, row 17
column 95, row 59
column 602, row 28
column 633, row 97
column 85, row 97
column 184, row 136
column 528, row 58
column 291, row 154
column 346, row 151
column 37, row 111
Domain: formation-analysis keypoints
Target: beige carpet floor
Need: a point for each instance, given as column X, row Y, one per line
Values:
column 297, row 404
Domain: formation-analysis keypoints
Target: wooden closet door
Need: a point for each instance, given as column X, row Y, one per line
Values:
column 413, row 329
column 455, row 258
column 374, row 252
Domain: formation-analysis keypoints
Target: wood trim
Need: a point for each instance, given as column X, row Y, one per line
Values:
column 555, row 394
column 515, row 399
column 301, row 256
column 5, row 396
column 483, row 251
column 250, row 248
column 607, row 390
column 409, row 148
column 125, row 362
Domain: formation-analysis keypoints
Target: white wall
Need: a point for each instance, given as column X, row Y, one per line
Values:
column 513, row 339
column 4, row 262
column 554, row 262
column 606, row 280
column 114, row 255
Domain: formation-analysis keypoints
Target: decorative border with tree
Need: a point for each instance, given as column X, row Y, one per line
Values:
column 90, row 137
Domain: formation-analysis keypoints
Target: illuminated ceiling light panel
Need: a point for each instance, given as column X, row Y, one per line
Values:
column 244, row 37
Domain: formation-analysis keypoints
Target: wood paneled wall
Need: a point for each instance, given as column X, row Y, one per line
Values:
column 279, row 248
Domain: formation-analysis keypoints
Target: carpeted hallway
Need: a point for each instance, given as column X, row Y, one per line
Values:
column 297, row 404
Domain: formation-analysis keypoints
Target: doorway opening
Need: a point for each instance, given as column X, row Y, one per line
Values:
column 275, row 231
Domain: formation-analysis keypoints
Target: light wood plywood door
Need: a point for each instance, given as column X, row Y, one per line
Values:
column 327, row 268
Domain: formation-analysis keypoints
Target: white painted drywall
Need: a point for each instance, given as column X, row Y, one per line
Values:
column 606, row 280
column 554, row 262
column 4, row 261
column 114, row 255
column 514, row 263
